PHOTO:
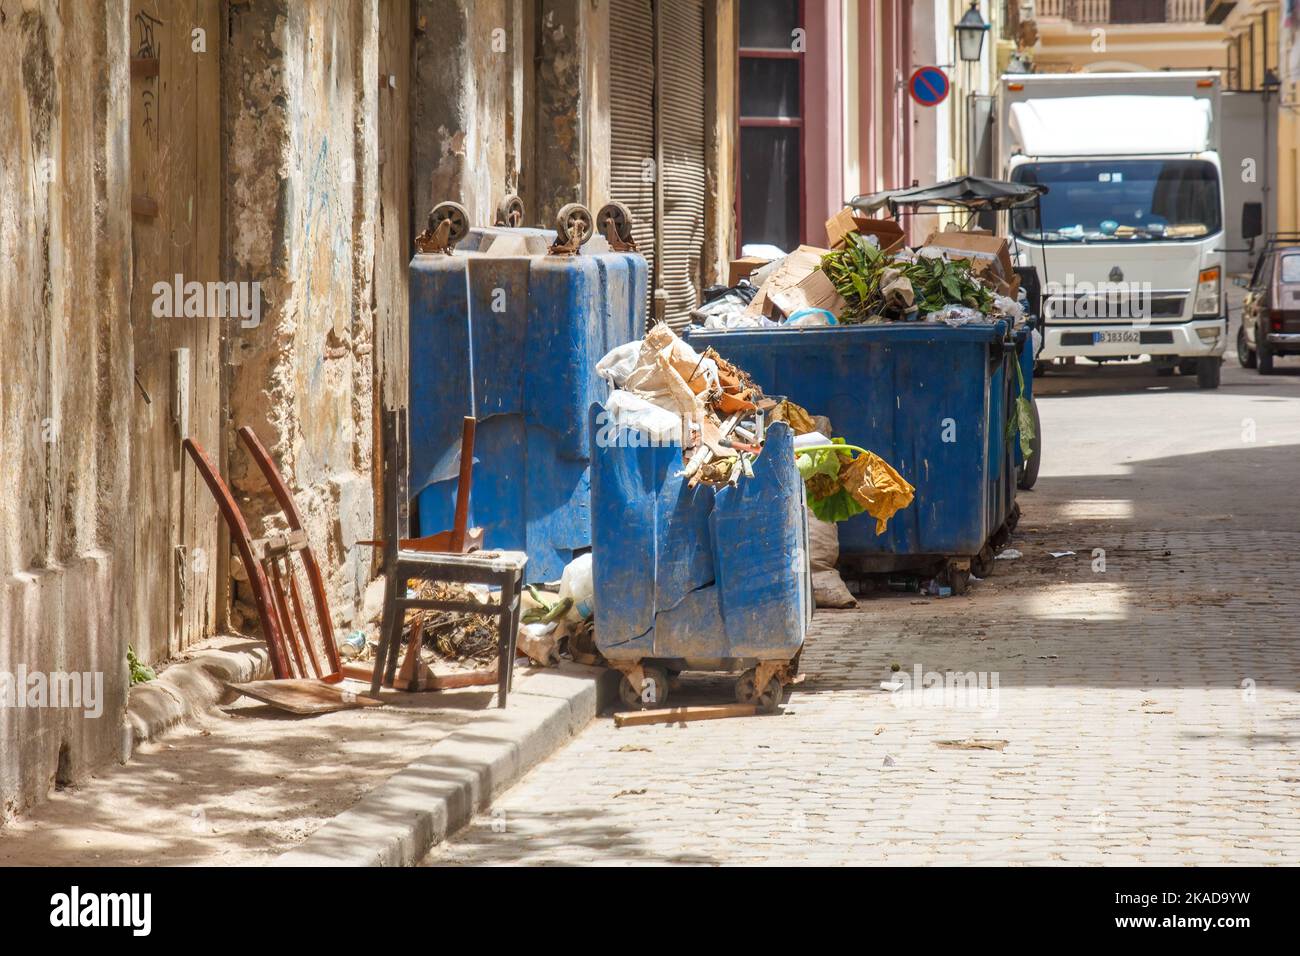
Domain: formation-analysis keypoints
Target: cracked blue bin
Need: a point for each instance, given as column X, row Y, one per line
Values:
column 504, row 332
column 931, row 400
column 697, row 578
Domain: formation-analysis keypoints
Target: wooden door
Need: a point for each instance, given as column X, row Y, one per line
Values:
column 393, row 235
column 175, row 183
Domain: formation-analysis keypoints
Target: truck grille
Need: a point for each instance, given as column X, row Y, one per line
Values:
column 1116, row 309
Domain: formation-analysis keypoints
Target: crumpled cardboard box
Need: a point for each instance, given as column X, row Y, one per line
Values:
column 887, row 231
column 989, row 256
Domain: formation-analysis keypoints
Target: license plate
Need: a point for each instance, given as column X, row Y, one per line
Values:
column 1099, row 338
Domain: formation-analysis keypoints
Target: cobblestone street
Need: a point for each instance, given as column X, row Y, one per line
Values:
column 1142, row 699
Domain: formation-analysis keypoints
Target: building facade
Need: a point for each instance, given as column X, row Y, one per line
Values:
column 292, row 151
column 1263, row 59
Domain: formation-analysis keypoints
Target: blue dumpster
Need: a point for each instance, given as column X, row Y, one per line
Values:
column 698, row 578
column 929, row 399
column 504, row 332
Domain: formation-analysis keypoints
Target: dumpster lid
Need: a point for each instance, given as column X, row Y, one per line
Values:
column 967, row 192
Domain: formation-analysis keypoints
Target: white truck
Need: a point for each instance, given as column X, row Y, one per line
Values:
column 1129, row 240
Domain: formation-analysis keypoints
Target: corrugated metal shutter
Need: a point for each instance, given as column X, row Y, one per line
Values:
column 681, row 131
column 664, row 123
column 632, row 122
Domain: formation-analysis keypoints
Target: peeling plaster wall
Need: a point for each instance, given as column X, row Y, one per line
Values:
column 467, row 106
column 65, row 382
column 299, row 87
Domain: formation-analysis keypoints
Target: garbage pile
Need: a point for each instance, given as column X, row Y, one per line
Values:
column 667, row 393
column 449, row 635
column 665, row 390
column 867, row 275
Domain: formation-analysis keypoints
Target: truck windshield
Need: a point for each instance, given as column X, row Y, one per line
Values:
column 1129, row 200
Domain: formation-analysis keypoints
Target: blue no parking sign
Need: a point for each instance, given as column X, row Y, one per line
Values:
column 929, row 86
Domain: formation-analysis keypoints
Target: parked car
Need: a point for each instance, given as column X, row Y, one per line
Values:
column 1270, row 314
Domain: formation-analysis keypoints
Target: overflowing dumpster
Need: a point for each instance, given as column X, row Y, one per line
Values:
column 931, row 399
column 697, row 578
column 505, row 332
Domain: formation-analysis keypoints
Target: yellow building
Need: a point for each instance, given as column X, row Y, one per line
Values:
column 1263, row 55
column 1126, row 36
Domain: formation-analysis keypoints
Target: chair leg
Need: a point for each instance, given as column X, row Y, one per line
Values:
column 509, row 637
column 388, row 628
column 514, row 624
column 395, row 639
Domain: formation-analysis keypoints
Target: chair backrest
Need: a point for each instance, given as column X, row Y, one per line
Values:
column 315, row 580
column 396, row 492
column 296, row 649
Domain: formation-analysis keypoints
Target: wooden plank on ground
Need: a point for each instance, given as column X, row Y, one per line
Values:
column 681, row 715
column 305, row 696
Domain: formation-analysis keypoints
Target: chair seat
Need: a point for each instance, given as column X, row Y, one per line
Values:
column 488, row 561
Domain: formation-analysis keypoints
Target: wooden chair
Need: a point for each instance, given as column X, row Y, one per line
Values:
column 304, row 659
column 444, row 557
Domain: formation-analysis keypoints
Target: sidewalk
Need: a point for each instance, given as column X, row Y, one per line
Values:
column 245, row 783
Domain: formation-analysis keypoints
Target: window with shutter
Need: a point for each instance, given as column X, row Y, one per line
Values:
column 657, row 141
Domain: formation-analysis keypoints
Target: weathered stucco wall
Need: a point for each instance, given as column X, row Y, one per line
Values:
column 467, row 108
column 299, row 87
column 65, row 385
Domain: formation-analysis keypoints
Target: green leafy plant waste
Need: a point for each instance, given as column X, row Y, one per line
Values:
column 856, row 272
column 140, row 673
column 1023, row 420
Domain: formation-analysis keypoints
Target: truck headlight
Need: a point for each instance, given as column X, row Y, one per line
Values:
column 1207, row 293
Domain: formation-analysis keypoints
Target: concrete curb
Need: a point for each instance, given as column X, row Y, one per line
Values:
column 437, row 794
column 187, row 688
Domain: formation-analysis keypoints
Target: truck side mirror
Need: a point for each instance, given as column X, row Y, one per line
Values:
column 1252, row 220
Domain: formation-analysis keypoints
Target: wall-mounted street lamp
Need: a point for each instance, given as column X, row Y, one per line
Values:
column 970, row 34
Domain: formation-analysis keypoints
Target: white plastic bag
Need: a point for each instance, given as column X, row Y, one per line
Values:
column 632, row 411
column 618, row 364
column 576, row 582
column 956, row 315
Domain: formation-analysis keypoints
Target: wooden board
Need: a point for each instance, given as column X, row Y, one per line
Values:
column 681, row 715
column 394, row 238
column 176, row 177
column 306, row 696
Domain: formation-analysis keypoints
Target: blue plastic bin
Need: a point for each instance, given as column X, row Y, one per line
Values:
column 928, row 398
column 697, row 578
column 504, row 332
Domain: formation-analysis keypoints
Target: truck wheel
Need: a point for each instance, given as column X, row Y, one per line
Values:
column 1245, row 354
column 1207, row 372
column 1040, row 369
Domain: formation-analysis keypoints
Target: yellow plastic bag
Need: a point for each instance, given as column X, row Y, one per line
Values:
column 876, row 486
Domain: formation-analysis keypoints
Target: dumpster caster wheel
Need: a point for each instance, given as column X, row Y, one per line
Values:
column 574, row 225
column 1013, row 520
column 653, row 691
column 956, row 578
column 615, row 220
column 768, row 701
column 456, row 214
column 510, row 212
column 982, row 564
